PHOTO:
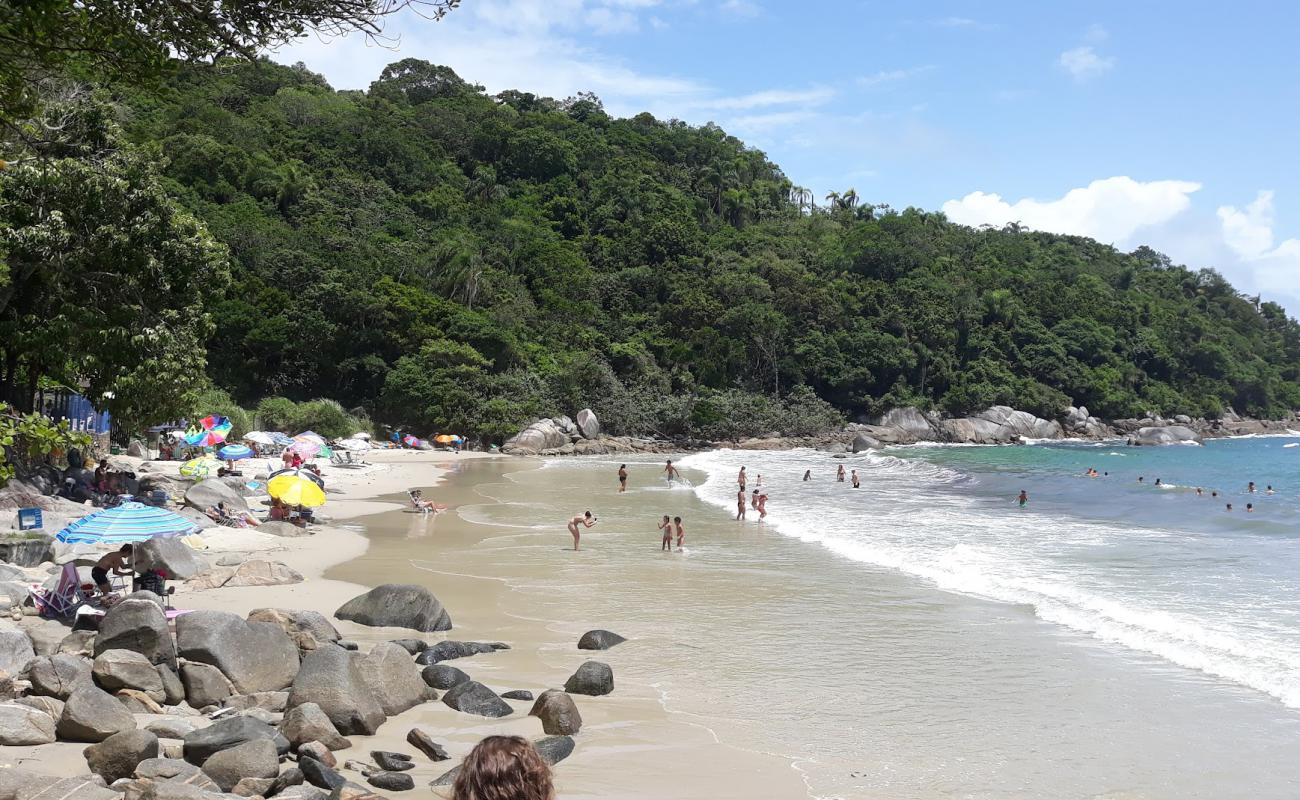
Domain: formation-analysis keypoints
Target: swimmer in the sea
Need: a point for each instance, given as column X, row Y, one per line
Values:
column 1250, row 507
column 856, row 483
column 1023, row 498
column 1250, row 487
column 807, row 475
column 1158, row 482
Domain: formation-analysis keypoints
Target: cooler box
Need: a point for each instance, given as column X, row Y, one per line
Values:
column 30, row 519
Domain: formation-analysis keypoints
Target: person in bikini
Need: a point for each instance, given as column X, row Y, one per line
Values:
column 753, row 500
column 740, row 503
column 622, row 478
column 741, row 479
column 586, row 519
column 681, row 532
column 839, row 474
column 667, row 527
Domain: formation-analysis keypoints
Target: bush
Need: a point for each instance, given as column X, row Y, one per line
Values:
column 325, row 417
column 276, row 414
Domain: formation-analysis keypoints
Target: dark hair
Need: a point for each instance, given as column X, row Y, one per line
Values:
column 677, row 519
column 126, row 548
column 503, row 768
column 621, row 466
column 588, row 514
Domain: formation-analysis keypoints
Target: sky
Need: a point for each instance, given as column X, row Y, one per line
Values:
column 1170, row 124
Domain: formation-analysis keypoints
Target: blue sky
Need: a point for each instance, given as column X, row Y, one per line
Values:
column 1162, row 123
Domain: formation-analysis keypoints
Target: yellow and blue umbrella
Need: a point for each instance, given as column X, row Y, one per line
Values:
column 129, row 522
column 296, row 487
column 198, row 468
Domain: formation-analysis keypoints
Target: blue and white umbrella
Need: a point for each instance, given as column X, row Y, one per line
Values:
column 129, row 522
column 234, row 452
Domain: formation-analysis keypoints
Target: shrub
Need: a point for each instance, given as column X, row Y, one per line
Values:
column 276, row 414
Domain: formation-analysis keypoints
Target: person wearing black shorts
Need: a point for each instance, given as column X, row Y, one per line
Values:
column 117, row 562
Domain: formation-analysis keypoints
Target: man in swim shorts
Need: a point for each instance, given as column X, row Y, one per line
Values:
column 671, row 471
column 115, row 561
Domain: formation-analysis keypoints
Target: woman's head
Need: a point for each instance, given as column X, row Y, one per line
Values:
column 503, row 768
column 665, row 517
column 587, row 515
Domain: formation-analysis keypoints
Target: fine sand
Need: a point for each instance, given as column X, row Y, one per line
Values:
column 629, row 747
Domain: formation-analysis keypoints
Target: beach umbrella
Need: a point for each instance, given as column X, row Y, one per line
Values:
column 446, row 438
column 214, row 429
column 281, row 439
column 296, row 487
column 234, row 452
column 309, row 474
column 129, row 522
column 356, row 445
column 307, row 447
column 259, row 437
column 411, row 441
column 311, row 435
column 198, row 468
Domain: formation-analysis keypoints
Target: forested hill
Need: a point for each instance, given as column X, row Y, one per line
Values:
column 453, row 260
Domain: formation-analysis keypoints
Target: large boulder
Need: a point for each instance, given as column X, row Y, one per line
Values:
column 1165, row 434
column 397, row 605
column 173, row 688
column 127, row 669
column 1022, row 424
column 910, row 420
column 16, row 651
column 253, row 759
column 209, row 492
column 975, row 430
column 257, row 572
column 169, row 555
column 554, row 749
column 88, row 787
column 47, row 705
column 175, row 772
column 308, row 723
column 472, row 697
column 331, row 678
column 443, row 676
column 117, row 756
column 58, row 675
column 205, row 685
column 393, row 678
column 320, row 775
column 588, row 424
column 46, row 636
column 255, row 656
column 599, row 640
column 592, row 678
column 23, row 725
column 92, row 715
column 230, row 732
column 558, row 713
column 543, row 434
column 307, row 629
column 138, row 625
column 862, row 443
column 170, row 727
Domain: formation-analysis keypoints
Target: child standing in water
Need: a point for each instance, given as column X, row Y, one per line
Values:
column 667, row 527
column 740, row 503
column 671, row 471
column 753, row 500
column 586, row 520
column 681, row 532
column 856, row 483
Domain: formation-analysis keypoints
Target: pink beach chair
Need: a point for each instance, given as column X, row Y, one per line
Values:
column 64, row 599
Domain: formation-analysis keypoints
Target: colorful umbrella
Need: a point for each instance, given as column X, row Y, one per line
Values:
column 198, row 468
column 306, row 447
column 410, row 441
column 129, row 522
column 259, row 437
column 309, row 474
column 281, row 439
column 215, row 429
column 311, row 435
column 447, row 438
column 296, row 487
column 234, row 452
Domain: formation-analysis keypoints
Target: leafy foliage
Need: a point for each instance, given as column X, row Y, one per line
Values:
column 455, row 261
column 28, row 440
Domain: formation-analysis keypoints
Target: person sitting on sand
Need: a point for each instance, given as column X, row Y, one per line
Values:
column 667, row 527
column 807, row 475
column 1023, row 498
column 101, row 476
column 586, row 519
column 117, row 561
column 762, row 506
column 622, row 478
column 856, row 483
column 670, row 471
column 681, row 532
column 503, row 768
column 839, row 474
column 740, row 503
column 420, row 504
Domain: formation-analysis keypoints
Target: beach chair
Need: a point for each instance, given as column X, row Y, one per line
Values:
column 64, row 599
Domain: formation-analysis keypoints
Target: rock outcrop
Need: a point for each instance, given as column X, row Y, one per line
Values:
column 397, row 605
column 138, row 625
column 1166, row 434
column 472, row 697
column 588, row 424
column 22, row 725
column 307, row 629
column 331, row 678
column 558, row 713
column 599, row 640
column 117, row 756
column 230, row 732
column 209, row 492
column 393, row 678
column 169, row 555
column 255, row 656
column 92, row 715
column 592, row 678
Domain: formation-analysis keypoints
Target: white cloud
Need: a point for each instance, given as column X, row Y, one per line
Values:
column 771, row 97
column 604, row 20
column 1083, row 63
column 892, row 75
column 741, row 8
column 963, row 22
column 1109, row 210
column 1249, row 234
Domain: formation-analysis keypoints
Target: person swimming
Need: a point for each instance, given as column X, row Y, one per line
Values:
column 1250, row 507
column 1023, row 498
column 1229, row 506
column 1158, row 482
column 1199, row 493
column 1250, row 487
column 1140, row 479
column 1268, row 489
column 586, row 520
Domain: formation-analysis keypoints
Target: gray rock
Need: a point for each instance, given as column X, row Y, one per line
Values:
column 280, row 528
column 139, row 626
column 319, row 775
column 262, row 715
column 15, row 783
column 173, row 689
column 78, row 643
column 117, row 756
column 909, row 420
column 253, row 787
column 92, row 715
column 588, row 424
column 307, row 629
column 234, row 559
column 292, row 776
column 391, row 781
column 78, row 788
column 307, row 723
column 175, row 771
column 443, row 676
column 449, row 777
column 252, row 759
column 257, row 572
column 127, row 669
column 1164, row 435
column 170, row 728
column 255, row 656
column 473, row 697
column 517, row 694
column 46, row 705
column 24, row 725
column 554, row 749
column 397, row 605
column 137, row 449
column 592, row 678
column 412, row 646
column 449, row 650
column 275, row 702
column 393, row 678
column 425, row 744
column 319, row 752
column 392, row 762
column 302, row 792
column 170, row 555
column 543, row 434
column 227, row 733
column 46, row 636
column 863, row 443
column 58, row 675
column 16, row 651
column 205, row 685
column 208, row 492
column 558, row 713
column 599, row 640
column 331, row 679
column 137, row 702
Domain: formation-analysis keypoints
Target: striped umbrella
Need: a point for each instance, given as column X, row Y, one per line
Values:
column 259, row 437
column 129, row 522
column 234, row 452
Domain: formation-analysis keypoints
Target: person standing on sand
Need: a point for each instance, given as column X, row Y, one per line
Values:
column 503, row 768
column 762, row 507
column 740, row 479
column 807, row 475
column 681, row 532
column 856, row 483
column 671, row 471
column 740, row 503
column 839, row 474
column 586, row 519
column 667, row 527
column 622, row 478
column 1023, row 498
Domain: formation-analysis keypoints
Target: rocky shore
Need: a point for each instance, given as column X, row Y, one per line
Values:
column 561, row 436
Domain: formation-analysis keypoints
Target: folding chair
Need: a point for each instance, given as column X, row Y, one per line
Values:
column 64, row 599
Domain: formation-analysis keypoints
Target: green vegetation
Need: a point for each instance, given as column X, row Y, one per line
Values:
column 451, row 261
column 28, row 441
